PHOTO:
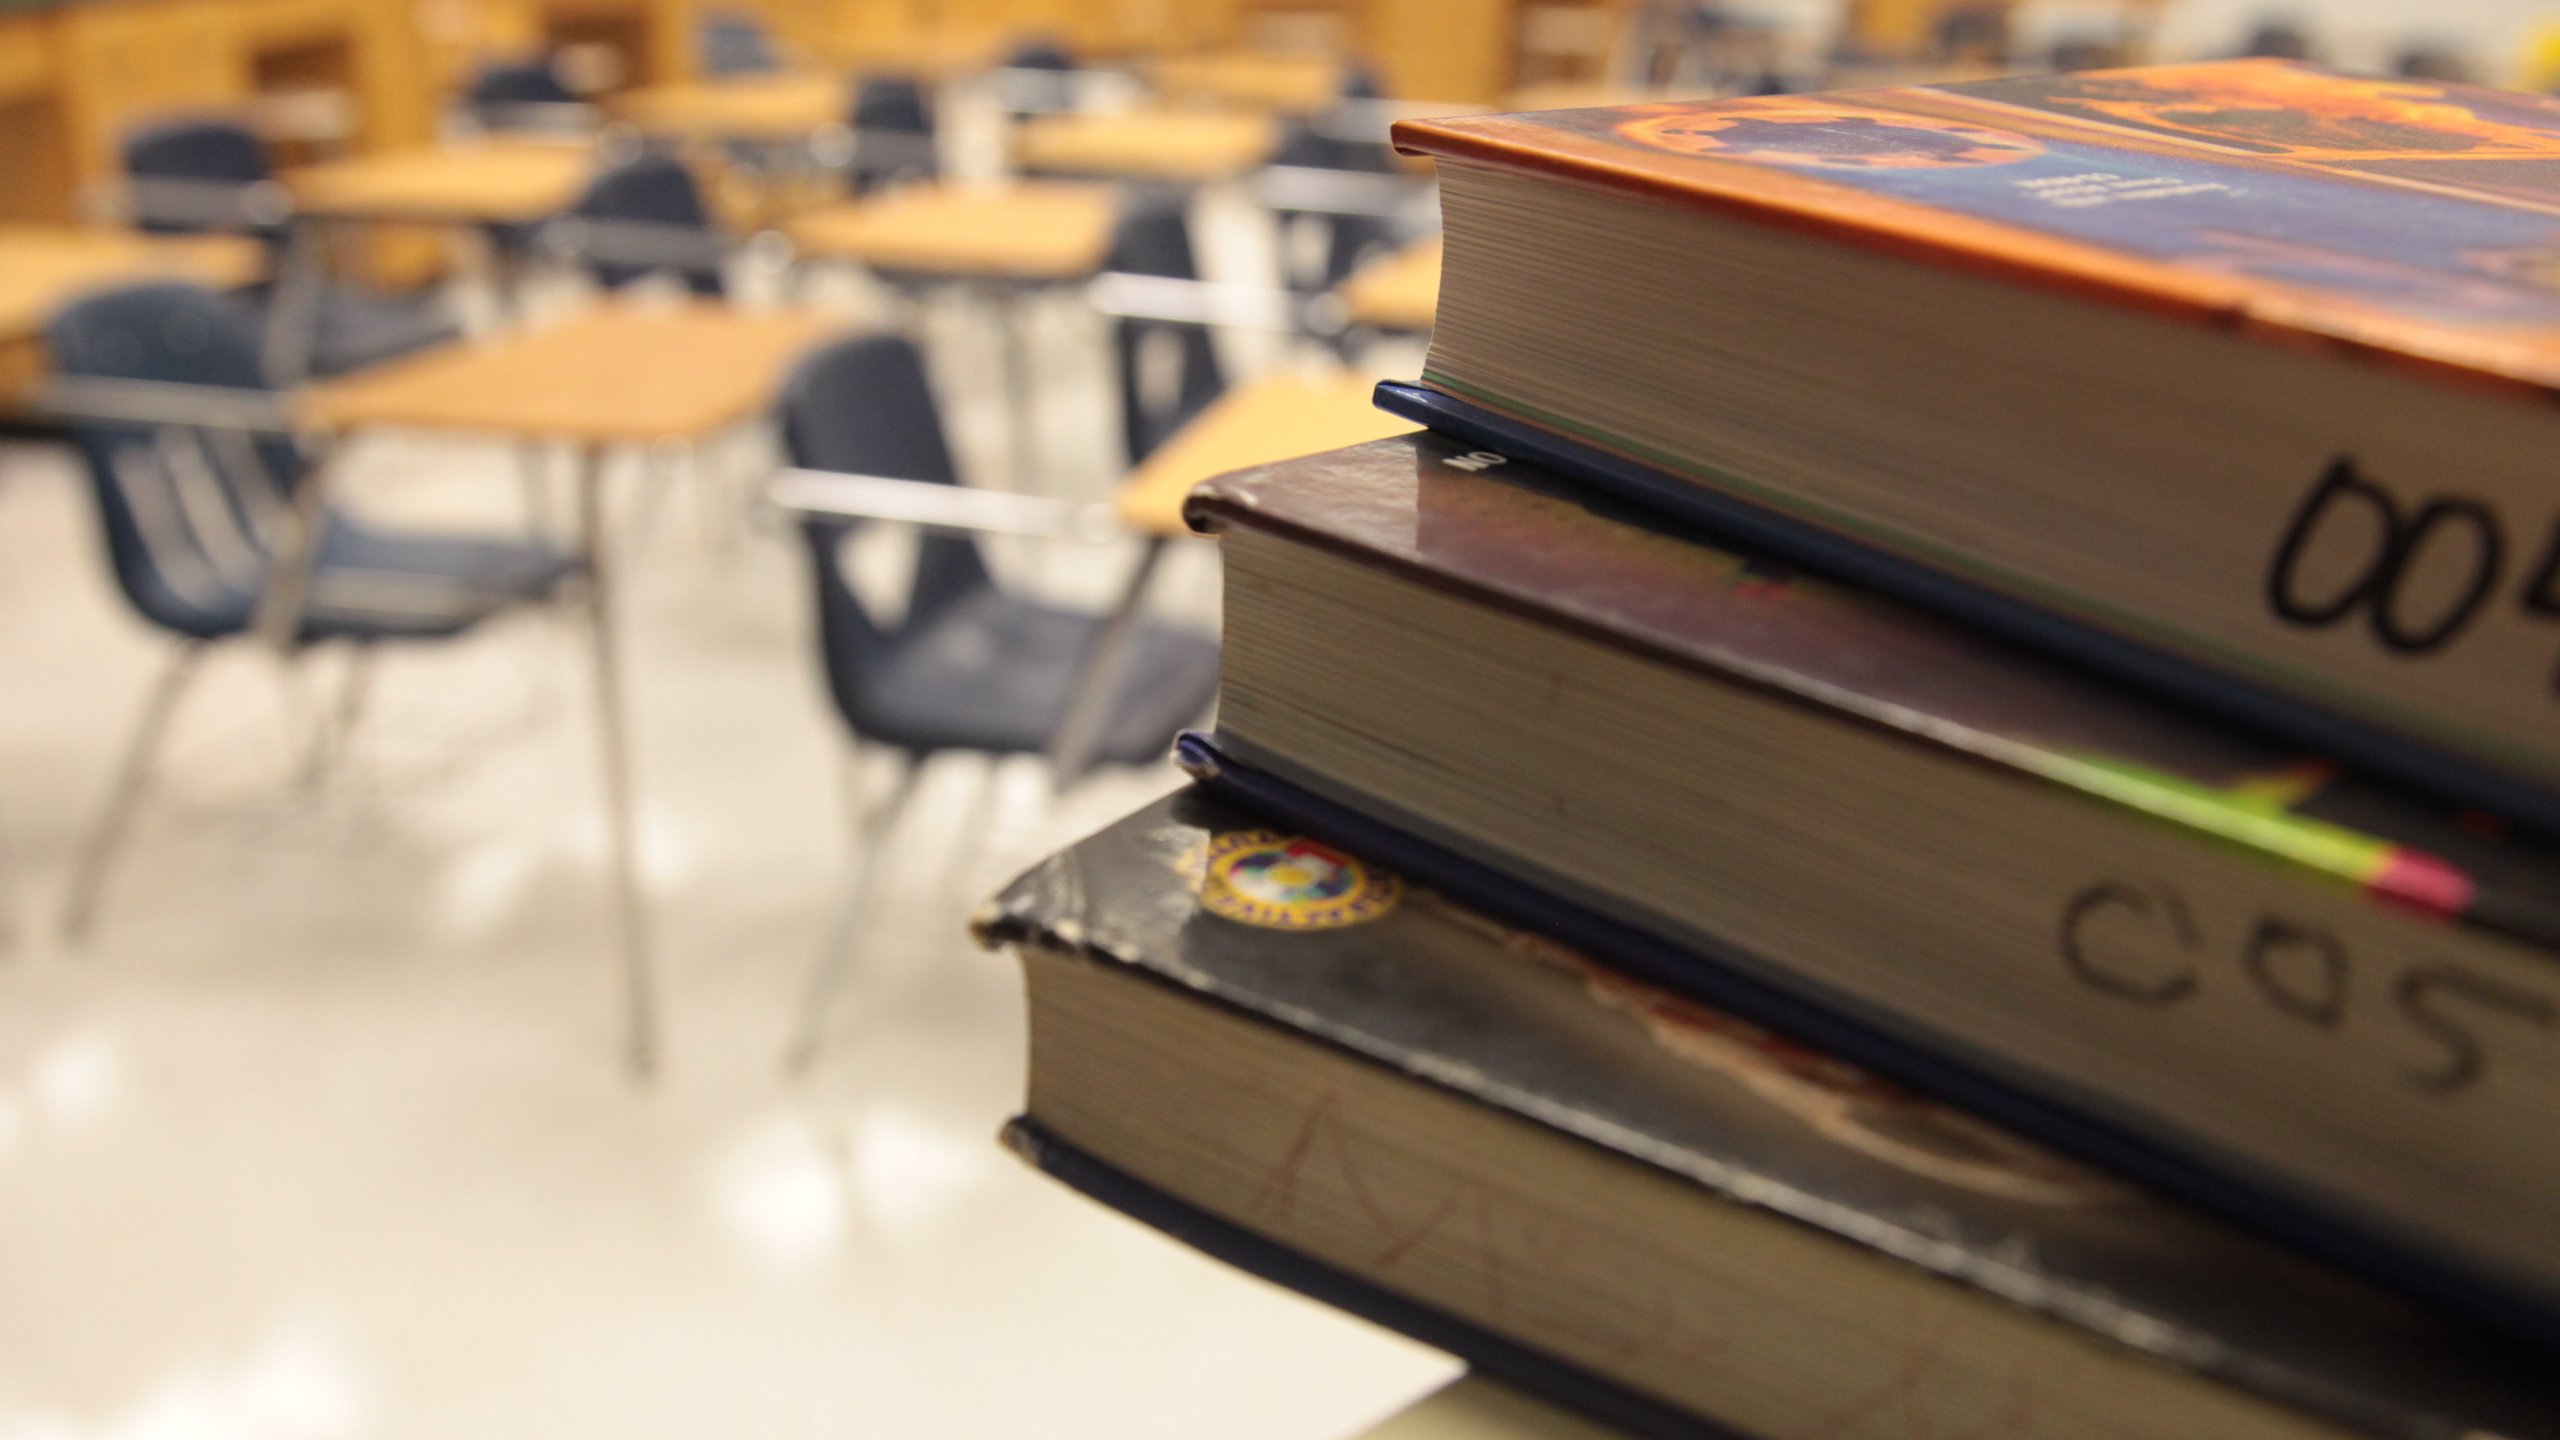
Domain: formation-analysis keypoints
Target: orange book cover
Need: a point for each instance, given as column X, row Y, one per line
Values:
column 2413, row 222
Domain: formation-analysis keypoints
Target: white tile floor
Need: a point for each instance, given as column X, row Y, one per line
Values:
column 322, row 1135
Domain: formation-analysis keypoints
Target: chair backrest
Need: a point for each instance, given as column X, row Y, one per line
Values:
column 649, row 189
column 893, row 133
column 1042, row 77
column 2430, row 61
column 1972, row 31
column 1168, row 370
column 734, row 43
column 863, row 406
column 204, row 152
column 2278, row 39
column 894, row 103
column 1347, row 239
column 518, row 82
column 219, row 150
column 182, row 509
column 1303, row 144
column 525, row 95
column 1040, row 53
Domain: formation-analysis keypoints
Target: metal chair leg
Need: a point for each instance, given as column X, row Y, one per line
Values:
column 659, row 472
column 133, row 776
column 872, row 825
column 977, row 818
column 333, row 734
column 533, row 479
column 9, row 923
column 641, row 1027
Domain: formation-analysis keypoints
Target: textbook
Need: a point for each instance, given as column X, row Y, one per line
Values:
column 2237, row 378
column 1637, row 1206
column 2302, row 997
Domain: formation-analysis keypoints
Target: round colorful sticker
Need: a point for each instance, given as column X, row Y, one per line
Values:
column 1285, row 882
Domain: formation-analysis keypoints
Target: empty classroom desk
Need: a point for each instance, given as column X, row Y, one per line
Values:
column 476, row 184
column 770, row 109
column 1003, row 239
column 1281, row 83
column 486, row 182
column 1165, row 147
column 619, row 374
column 1024, row 234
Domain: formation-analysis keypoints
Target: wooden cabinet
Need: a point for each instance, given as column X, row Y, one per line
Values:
column 74, row 78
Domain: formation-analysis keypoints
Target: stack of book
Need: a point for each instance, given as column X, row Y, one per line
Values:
column 1924, row 810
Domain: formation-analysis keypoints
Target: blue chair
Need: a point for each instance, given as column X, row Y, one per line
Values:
column 223, row 161
column 893, row 135
column 2431, row 61
column 1168, row 370
column 1347, row 239
column 1039, row 77
column 326, row 327
column 2278, row 38
column 189, row 512
column 965, row 666
column 734, row 43
column 524, row 95
column 647, row 204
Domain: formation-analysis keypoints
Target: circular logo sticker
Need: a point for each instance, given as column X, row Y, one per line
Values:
column 1826, row 137
column 1284, row 882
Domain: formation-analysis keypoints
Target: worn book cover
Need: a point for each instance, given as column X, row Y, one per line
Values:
column 2414, row 222
column 1203, row 898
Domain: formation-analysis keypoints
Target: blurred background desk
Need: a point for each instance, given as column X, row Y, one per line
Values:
column 1282, row 83
column 480, row 182
column 780, row 107
column 1000, row 239
column 1254, row 424
column 618, row 375
column 1036, row 232
column 1173, row 147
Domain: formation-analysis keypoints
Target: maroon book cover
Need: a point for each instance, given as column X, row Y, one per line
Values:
column 1504, row 534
